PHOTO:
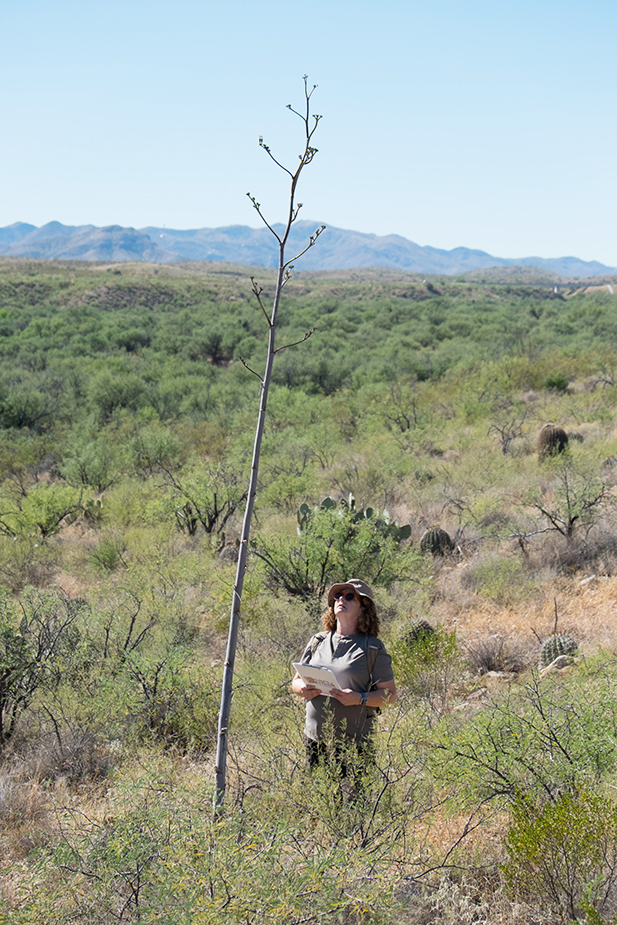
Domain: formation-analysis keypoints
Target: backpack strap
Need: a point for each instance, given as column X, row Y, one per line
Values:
column 316, row 641
column 371, row 651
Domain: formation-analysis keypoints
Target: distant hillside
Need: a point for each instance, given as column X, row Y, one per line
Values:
column 337, row 249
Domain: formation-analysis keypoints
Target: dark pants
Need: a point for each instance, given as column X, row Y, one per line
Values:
column 344, row 758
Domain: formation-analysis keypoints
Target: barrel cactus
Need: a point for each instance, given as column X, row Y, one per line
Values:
column 554, row 646
column 436, row 542
column 552, row 440
column 415, row 630
column 575, row 435
column 229, row 554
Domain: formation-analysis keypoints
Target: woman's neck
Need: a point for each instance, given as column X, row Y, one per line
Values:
column 346, row 627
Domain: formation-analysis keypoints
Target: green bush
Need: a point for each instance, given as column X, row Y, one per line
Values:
column 504, row 579
column 557, row 381
column 168, row 698
column 565, row 854
column 91, row 461
column 39, row 640
column 543, row 738
column 161, row 859
column 427, row 668
column 154, row 449
column 108, row 554
column 204, row 494
column 335, row 542
column 43, row 510
column 111, row 391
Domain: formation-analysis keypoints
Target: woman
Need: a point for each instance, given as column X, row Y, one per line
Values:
column 361, row 665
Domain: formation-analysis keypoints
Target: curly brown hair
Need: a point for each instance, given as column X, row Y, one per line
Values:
column 368, row 621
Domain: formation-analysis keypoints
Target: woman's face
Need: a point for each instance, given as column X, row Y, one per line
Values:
column 348, row 610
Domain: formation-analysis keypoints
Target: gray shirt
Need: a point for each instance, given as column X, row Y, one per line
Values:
column 347, row 656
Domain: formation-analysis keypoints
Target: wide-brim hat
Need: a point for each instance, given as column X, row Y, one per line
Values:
column 354, row 584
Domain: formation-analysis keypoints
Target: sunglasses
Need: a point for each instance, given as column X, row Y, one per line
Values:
column 349, row 596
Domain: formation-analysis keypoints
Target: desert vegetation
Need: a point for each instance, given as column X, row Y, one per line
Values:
column 401, row 443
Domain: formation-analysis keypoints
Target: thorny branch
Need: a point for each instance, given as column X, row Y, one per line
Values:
column 257, row 291
column 296, row 342
column 246, row 366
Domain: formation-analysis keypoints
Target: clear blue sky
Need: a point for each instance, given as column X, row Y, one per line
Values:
column 483, row 124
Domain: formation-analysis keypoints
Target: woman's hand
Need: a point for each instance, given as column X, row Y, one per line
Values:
column 384, row 693
column 307, row 691
column 347, row 697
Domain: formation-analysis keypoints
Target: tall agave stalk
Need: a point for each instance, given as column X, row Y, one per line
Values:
column 285, row 266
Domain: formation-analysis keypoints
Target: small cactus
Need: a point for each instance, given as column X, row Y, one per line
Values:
column 229, row 554
column 383, row 523
column 575, row 435
column 556, row 645
column 552, row 440
column 416, row 630
column 436, row 541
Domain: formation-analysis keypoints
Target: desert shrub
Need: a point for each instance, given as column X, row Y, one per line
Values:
column 39, row 641
column 468, row 897
column 132, row 339
column 154, row 450
column 167, row 696
column 427, row 668
column 21, row 801
column 507, row 421
column 66, row 752
column 287, row 471
column 204, row 494
column 132, row 676
column 42, row 510
column 571, row 499
column 108, row 554
column 24, row 561
column 159, row 858
column 272, row 624
column 502, row 578
column 595, row 549
column 495, row 652
column 543, row 738
column 565, row 853
column 110, row 392
column 556, row 381
column 91, row 459
column 338, row 540
column 25, row 815
column 22, row 406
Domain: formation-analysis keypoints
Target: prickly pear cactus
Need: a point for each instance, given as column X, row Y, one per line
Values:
column 552, row 440
column 436, row 541
column 558, row 644
column 416, row 629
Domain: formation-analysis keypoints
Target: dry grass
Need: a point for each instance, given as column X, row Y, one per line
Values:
column 586, row 610
column 470, row 899
column 26, row 817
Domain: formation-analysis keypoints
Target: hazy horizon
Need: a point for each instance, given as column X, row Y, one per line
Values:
column 485, row 126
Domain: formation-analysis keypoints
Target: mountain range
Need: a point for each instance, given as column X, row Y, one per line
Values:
column 337, row 249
